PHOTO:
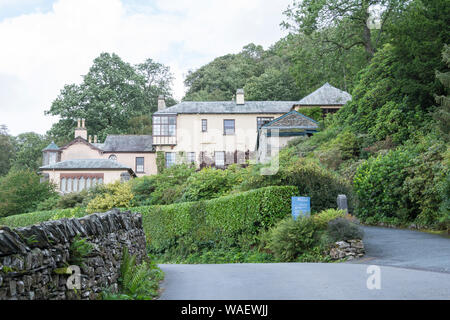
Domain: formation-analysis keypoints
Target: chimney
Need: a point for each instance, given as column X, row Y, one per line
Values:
column 161, row 103
column 95, row 139
column 80, row 130
column 240, row 96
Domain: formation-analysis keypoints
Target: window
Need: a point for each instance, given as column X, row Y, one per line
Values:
column 170, row 159
column 228, row 127
column 139, row 164
column 113, row 157
column 204, row 125
column 191, row 157
column 164, row 126
column 219, row 159
column 260, row 121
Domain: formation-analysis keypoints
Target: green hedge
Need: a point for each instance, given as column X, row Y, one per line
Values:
column 27, row 219
column 226, row 221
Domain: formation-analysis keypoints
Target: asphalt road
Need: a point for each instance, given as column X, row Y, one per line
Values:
column 406, row 249
column 413, row 265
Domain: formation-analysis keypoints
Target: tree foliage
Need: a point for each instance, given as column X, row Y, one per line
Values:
column 113, row 95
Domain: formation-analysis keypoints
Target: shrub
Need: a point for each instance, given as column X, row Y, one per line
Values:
column 233, row 220
column 164, row 188
column 21, row 191
column 321, row 219
column 310, row 178
column 291, row 238
column 71, row 200
column 137, row 281
column 341, row 229
column 118, row 195
column 48, row 204
column 27, row 219
column 211, row 183
column 314, row 113
column 404, row 185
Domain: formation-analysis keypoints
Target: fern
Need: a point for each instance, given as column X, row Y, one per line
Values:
column 137, row 281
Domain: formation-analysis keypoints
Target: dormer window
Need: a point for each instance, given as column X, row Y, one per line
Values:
column 112, row 157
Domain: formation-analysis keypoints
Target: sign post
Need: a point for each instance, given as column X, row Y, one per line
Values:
column 300, row 206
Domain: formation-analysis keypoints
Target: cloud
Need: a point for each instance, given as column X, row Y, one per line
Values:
column 42, row 51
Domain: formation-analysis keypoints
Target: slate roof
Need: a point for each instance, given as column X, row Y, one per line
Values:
column 126, row 143
column 219, row 107
column 51, row 146
column 292, row 120
column 85, row 164
column 326, row 95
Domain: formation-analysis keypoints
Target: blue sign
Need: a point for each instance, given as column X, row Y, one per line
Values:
column 300, row 206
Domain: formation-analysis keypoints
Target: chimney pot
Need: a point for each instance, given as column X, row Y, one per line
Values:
column 95, row 139
column 79, row 122
column 83, row 123
column 240, row 96
column 161, row 103
column 90, row 139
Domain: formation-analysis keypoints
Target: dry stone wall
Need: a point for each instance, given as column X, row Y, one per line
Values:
column 35, row 260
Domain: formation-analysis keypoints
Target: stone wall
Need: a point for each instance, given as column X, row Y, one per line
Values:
column 349, row 250
column 34, row 260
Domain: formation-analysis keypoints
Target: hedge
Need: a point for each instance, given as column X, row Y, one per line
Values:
column 223, row 221
column 27, row 219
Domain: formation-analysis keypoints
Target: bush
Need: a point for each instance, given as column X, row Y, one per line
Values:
column 291, row 238
column 321, row 219
column 211, row 183
column 310, row 178
column 164, row 188
column 404, row 185
column 27, row 219
column 228, row 221
column 48, row 204
column 71, row 200
column 118, row 195
column 21, row 191
column 341, row 229
column 314, row 113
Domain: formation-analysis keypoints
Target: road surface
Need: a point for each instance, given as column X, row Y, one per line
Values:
column 413, row 265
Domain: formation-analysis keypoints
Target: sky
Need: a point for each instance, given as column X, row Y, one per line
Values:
column 45, row 44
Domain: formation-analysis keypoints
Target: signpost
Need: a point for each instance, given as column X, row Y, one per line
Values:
column 300, row 206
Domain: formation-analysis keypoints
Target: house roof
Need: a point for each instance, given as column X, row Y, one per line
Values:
column 292, row 120
column 326, row 95
column 85, row 164
column 51, row 146
column 218, row 107
column 127, row 143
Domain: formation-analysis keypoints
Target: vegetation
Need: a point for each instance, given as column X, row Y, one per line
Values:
column 114, row 97
column 21, row 191
column 137, row 281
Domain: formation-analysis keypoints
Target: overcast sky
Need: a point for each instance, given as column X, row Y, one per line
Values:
column 45, row 44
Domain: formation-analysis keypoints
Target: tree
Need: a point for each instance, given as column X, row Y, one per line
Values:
column 349, row 21
column 21, row 191
column 6, row 150
column 28, row 154
column 112, row 93
column 157, row 81
column 442, row 115
column 264, row 74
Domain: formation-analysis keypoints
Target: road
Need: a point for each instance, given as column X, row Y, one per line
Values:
column 413, row 265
